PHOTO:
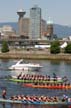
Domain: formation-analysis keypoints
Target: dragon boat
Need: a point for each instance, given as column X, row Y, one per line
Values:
column 33, row 102
column 42, row 100
column 34, row 81
column 37, row 78
column 45, row 86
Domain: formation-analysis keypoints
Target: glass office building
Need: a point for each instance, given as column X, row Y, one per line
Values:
column 35, row 23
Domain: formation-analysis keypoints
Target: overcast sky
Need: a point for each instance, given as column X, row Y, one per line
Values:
column 58, row 10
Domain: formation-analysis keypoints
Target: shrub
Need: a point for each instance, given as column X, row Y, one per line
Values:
column 55, row 47
column 68, row 48
column 5, row 47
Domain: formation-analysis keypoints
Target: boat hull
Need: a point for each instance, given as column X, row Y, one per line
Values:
column 46, row 87
column 33, row 102
column 34, row 81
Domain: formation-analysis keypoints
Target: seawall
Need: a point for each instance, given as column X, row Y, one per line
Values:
column 34, row 56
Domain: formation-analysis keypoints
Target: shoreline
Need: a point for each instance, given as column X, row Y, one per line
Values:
column 35, row 56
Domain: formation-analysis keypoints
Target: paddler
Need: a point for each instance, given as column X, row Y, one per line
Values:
column 20, row 75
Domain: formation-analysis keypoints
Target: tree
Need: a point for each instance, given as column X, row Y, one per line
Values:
column 55, row 47
column 5, row 47
column 68, row 48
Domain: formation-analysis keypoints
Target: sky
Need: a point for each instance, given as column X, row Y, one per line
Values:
column 58, row 10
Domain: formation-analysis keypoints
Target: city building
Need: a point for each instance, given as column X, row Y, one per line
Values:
column 43, row 28
column 20, row 13
column 35, row 23
column 35, row 27
column 7, row 31
column 26, row 27
column 50, row 30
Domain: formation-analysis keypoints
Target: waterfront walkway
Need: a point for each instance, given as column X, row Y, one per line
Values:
column 42, row 55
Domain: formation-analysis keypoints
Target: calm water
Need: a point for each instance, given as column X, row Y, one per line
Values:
column 61, row 68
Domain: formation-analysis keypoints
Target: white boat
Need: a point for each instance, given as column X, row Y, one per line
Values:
column 21, row 65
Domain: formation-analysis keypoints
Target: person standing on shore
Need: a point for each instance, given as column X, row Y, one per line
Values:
column 4, row 94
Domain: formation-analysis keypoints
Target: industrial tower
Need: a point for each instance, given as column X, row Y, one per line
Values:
column 21, row 13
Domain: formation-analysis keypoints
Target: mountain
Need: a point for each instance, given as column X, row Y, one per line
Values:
column 13, row 24
column 60, row 30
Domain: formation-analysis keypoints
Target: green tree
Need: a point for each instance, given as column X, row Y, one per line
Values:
column 68, row 48
column 5, row 47
column 55, row 47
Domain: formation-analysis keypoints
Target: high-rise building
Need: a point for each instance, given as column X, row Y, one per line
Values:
column 50, row 27
column 43, row 27
column 35, row 23
column 26, row 27
column 50, row 30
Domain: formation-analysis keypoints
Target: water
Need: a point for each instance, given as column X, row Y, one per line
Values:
column 61, row 68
